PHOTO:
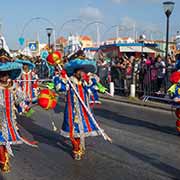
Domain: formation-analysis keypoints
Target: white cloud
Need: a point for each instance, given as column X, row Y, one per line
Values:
column 90, row 13
column 153, row 0
column 118, row 1
column 147, row 1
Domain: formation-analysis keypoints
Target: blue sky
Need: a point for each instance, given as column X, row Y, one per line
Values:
column 147, row 15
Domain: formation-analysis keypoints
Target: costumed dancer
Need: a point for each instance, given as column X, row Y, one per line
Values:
column 94, row 81
column 78, row 123
column 28, row 81
column 75, row 52
column 44, row 70
column 91, row 78
column 174, row 91
column 9, row 134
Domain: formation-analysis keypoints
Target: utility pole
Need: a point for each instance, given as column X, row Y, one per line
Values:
column 117, row 32
column 54, row 38
column 134, row 31
column 98, row 34
column 0, row 27
column 38, row 43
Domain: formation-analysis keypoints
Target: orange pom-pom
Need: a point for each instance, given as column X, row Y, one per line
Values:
column 47, row 99
column 54, row 58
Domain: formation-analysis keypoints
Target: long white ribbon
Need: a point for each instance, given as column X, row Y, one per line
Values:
column 105, row 136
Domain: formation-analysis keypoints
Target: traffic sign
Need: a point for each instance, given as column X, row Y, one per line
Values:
column 33, row 46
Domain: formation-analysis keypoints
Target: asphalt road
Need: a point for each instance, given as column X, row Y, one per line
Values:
column 145, row 147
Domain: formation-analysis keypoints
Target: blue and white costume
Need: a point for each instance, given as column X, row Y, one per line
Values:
column 77, row 122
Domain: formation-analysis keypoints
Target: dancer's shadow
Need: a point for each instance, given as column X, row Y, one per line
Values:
column 170, row 171
column 173, row 172
column 114, row 116
column 1, row 177
column 43, row 135
column 60, row 105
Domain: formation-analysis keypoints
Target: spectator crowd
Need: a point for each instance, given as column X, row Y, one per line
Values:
column 150, row 75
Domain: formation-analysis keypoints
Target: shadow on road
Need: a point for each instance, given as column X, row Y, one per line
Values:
column 172, row 171
column 1, row 177
column 60, row 106
column 134, row 122
column 43, row 135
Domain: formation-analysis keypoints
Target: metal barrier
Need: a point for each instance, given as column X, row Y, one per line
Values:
column 146, row 81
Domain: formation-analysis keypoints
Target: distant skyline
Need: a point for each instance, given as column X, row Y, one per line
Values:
column 143, row 15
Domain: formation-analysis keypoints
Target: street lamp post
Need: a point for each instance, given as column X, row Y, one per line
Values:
column 141, row 40
column 49, row 32
column 168, row 8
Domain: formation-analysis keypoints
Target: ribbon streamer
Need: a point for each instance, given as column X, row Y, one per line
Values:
column 105, row 136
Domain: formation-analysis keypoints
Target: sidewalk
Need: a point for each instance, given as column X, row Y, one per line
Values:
column 138, row 102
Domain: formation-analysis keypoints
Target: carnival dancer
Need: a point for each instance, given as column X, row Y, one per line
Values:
column 4, row 55
column 93, row 80
column 43, row 69
column 78, row 121
column 174, row 91
column 28, row 81
column 9, row 98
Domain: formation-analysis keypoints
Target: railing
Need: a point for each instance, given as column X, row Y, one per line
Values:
column 146, row 80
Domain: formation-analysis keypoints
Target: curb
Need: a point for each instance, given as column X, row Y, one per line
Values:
column 138, row 102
